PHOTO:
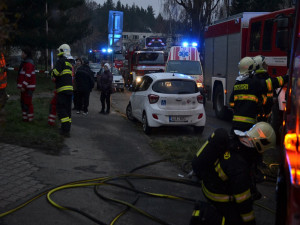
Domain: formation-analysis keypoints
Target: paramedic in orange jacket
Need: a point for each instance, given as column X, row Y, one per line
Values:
column 26, row 83
column 3, row 81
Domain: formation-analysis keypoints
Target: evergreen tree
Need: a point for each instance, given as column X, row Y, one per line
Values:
column 239, row 6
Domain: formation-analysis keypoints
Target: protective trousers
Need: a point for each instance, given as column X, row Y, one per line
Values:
column 63, row 108
column 27, row 106
column 52, row 110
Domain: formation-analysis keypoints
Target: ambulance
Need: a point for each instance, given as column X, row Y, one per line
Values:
column 185, row 59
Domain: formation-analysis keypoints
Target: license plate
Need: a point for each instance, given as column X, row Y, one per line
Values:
column 178, row 119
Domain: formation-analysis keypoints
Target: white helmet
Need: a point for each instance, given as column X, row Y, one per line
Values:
column 246, row 66
column 65, row 50
column 260, row 62
column 263, row 136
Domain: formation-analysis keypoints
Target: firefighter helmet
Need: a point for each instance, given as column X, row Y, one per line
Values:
column 260, row 62
column 246, row 66
column 263, row 136
column 64, row 50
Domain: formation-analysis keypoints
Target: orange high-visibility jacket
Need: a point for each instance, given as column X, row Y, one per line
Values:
column 3, row 73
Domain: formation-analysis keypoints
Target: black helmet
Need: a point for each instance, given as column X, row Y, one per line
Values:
column 85, row 61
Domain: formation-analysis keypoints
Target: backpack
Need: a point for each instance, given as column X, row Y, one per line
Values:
column 215, row 147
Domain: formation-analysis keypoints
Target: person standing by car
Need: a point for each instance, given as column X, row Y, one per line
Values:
column 105, row 86
column 62, row 73
column 26, row 83
column 84, row 83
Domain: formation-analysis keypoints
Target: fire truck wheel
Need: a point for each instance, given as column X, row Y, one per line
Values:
column 146, row 128
column 218, row 102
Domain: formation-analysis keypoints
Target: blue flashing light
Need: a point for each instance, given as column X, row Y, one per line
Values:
column 103, row 50
column 109, row 50
column 185, row 44
column 194, row 44
column 90, row 51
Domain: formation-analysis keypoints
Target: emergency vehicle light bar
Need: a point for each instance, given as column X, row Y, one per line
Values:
column 186, row 44
column 291, row 143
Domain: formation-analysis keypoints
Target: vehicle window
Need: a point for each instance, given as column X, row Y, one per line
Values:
column 145, row 83
column 115, row 71
column 185, row 67
column 267, row 37
column 151, row 58
column 255, row 36
column 95, row 66
column 175, row 87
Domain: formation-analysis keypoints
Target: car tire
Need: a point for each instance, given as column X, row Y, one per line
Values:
column 146, row 128
column 199, row 130
column 129, row 112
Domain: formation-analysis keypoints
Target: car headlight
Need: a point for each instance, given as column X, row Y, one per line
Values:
column 138, row 79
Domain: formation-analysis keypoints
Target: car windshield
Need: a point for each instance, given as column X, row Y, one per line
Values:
column 116, row 72
column 95, row 66
column 185, row 67
column 175, row 87
column 150, row 58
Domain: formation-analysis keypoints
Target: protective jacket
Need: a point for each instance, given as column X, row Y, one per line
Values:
column 226, row 182
column 26, row 78
column 247, row 98
column 3, row 73
column 63, row 75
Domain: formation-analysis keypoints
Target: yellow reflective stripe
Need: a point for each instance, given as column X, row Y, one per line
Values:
column 260, row 71
column 64, row 88
column 245, row 97
column 65, row 119
column 280, row 80
column 248, row 216
column 269, row 84
column 55, row 71
column 231, row 104
column 68, row 64
column 244, row 119
column 243, row 196
column 270, row 94
column 196, row 213
column 66, row 71
column 61, row 53
column 264, row 98
column 215, row 197
column 221, row 173
column 201, row 149
column 223, row 221
column 238, row 87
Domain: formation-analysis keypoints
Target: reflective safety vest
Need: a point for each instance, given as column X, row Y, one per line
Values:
column 3, row 73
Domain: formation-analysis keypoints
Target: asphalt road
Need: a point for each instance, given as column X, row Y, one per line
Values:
column 110, row 145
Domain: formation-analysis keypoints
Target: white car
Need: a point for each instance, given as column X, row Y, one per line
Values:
column 95, row 67
column 118, row 80
column 167, row 99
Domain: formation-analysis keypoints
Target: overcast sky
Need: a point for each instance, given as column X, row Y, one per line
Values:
column 156, row 4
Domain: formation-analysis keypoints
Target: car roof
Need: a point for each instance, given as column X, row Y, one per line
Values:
column 166, row 75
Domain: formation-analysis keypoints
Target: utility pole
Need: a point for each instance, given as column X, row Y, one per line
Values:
column 47, row 54
column 113, row 42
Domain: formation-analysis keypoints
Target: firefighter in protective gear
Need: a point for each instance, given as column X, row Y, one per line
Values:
column 261, row 72
column 247, row 96
column 62, row 76
column 226, row 181
column 3, row 81
column 26, row 83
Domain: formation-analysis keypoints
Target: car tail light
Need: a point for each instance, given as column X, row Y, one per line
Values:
column 153, row 98
column 155, row 116
column 200, row 99
column 291, row 143
column 200, row 116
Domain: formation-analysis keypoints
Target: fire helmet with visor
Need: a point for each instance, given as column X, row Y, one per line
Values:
column 260, row 61
column 64, row 50
column 246, row 66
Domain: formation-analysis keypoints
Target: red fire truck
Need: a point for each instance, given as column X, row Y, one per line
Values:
column 288, row 182
column 141, row 62
column 229, row 40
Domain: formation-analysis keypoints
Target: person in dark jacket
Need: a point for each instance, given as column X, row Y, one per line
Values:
column 62, row 76
column 105, row 86
column 78, row 63
column 226, row 178
column 84, row 83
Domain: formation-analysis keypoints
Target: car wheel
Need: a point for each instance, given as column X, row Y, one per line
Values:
column 146, row 128
column 129, row 112
column 199, row 130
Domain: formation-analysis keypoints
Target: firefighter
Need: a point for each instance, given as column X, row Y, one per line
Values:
column 3, row 81
column 261, row 73
column 62, row 75
column 247, row 96
column 26, row 82
column 226, row 178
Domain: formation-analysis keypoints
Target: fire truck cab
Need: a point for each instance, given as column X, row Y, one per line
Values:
column 229, row 40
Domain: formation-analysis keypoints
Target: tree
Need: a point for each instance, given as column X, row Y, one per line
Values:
column 239, row 6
